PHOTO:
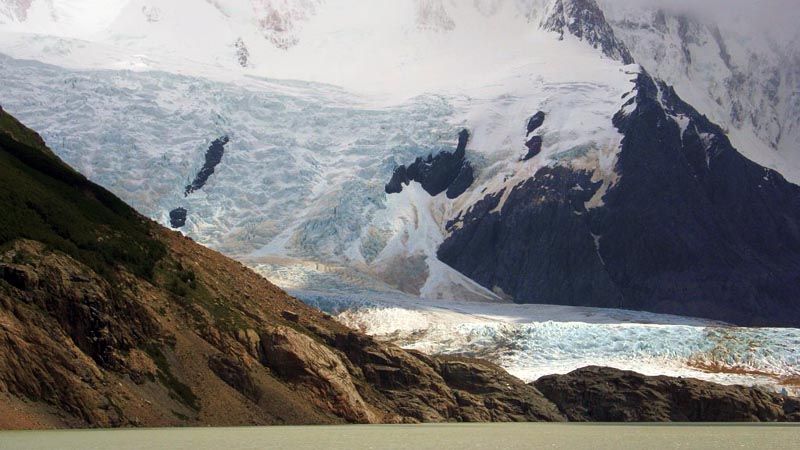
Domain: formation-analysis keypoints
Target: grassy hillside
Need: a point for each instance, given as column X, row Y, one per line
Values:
column 45, row 200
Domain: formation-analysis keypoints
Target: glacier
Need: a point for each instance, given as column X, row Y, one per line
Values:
column 304, row 169
column 531, row 341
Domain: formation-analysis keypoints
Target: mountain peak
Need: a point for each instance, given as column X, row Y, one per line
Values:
column 585, row 20
column 278, row 20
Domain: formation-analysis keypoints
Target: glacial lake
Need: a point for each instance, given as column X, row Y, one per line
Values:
column 418, row 437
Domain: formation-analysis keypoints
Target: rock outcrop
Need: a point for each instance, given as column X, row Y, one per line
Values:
column 536, row 121
column 538, row 246
column 213, row 158
column 585, row 20
column 602, row 394
column 426, row 388
column 450, row 172
column 487, row 393
column 534, row 143
column 298, row 357
column 177, row 217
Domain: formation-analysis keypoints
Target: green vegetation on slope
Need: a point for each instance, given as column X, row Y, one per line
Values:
column 22, row 134
column 191, row 294
column 43, row 199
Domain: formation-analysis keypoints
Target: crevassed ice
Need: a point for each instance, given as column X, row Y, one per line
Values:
column 531, row 341
column 300, row 153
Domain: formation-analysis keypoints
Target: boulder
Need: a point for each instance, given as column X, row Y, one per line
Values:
column 296, row 356
column 603, row 394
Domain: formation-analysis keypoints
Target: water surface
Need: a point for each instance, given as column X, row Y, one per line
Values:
column 418, row 437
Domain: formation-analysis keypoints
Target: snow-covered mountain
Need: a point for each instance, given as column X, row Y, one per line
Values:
column 487, row 150
column 72, row 18
column 744, row 75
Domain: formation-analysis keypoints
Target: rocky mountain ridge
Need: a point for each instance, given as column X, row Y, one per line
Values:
column 741, row 76
column 732, row 234
column 585, row 20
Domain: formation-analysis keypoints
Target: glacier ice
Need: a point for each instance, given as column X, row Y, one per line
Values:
column 531, row 341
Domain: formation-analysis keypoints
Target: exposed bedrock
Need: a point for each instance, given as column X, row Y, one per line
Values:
column 691, row 227
column 585, row 20
column 213, row 158
column 536, row 121
column 450, row 172
column 534, row 143
column 177, row 217
column 537, row 247
column 603, row 394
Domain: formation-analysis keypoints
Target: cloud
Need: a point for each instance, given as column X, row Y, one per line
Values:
column 778, row 18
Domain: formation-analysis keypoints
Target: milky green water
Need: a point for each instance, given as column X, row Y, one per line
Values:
column 419, row 437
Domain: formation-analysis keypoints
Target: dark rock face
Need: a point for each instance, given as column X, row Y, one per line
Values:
column 460, row 389
column 695, row 228
column 177, row 217
column 446, row 171
column 235, row 375
column 585, row 20
column 534, row 144
column 691, row 228
column 20, row 277
column 538, row 247
column 463, row 181
column 602, row 394
column 213, row 158
column 399, row 178
column 484, row 393
column 536, row 121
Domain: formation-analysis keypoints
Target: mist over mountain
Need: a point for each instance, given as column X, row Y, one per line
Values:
column 777, row 18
